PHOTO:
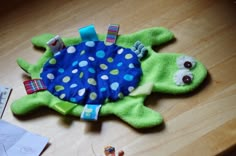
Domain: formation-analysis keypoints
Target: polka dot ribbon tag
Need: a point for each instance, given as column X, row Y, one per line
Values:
column 90, row 112
column 112, row 33
column 35, row 85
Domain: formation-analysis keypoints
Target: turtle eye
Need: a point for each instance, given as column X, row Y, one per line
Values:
column 185, row 62
column 187, row 79
column 183, row 77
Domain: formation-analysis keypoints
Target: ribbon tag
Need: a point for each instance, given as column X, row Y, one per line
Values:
column 35, row 85
column 112, row 33
column 90, row 112
column 56, row 44
column 88, row 33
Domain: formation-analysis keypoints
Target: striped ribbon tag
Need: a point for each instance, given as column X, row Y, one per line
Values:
column 112, row 33
column 35, row 85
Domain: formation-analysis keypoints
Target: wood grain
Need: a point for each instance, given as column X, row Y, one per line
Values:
column 199, row 123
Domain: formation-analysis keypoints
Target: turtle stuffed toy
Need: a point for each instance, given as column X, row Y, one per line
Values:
column 96, row 75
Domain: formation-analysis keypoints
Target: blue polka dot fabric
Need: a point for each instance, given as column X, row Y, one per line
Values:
column 92, row 73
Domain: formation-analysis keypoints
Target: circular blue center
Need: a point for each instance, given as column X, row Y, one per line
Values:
column 92, row 72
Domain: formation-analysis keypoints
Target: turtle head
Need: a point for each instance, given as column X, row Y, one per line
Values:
column 178, row 73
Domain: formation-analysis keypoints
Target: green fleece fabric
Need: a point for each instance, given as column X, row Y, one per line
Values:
column 158, row 72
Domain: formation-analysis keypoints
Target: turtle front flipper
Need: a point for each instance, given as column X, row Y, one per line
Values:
column 43, row 39
column 149, row 37
column 132, row 110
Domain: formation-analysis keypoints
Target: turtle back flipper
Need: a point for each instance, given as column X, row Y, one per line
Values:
column 32, row 102
column 28, row 103
column 132, row 110
column 41, row 42
column 24, row 65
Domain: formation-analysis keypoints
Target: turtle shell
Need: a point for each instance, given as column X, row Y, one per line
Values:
column 92, row 73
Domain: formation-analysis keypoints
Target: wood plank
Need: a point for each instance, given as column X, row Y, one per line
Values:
column 213, row 142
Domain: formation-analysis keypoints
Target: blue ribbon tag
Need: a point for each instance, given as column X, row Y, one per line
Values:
column 90, row 112
column 88, row 33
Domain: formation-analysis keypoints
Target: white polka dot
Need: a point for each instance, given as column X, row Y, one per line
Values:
column 114, row 85
column 91, row 58
column 120, row 51
column 81, row 92
column 62, row 96
column 82, row 52
column 50, row 76
column 57, row 53
column 130, row 89
column 73, row 85
column 83, row 63
column 74, row 71
column 90, row 44
column 131, row 65
column 71, row 49
column 104, row 77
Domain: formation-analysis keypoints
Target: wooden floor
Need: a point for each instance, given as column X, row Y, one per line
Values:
column 200, row 123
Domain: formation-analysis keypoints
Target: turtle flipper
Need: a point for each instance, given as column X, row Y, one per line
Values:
column 27, row 104
column 33, row 70
column 149, row 37
column 161, row 35
column 31, row 102
column 131, row 110
column 24, row 65
column 141, row 117
column 41, row 40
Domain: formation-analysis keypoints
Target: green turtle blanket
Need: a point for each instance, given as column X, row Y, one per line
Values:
column 96, row 75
